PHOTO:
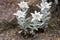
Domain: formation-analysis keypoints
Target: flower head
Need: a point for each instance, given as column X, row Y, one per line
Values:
column 20, row 14
column 36, row 16
column 45, row 5
column 23, row 5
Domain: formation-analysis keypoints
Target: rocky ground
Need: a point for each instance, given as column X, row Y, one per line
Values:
column 8, row 25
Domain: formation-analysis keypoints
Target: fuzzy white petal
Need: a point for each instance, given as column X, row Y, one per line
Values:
column 32, row 14
column 32, row 19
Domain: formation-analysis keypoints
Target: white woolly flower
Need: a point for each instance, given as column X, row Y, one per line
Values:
column 45, row 5
column 23, row 5
column 36, row 16
column 20, row 14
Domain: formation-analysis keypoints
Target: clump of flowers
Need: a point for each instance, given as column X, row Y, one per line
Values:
column 36, row 20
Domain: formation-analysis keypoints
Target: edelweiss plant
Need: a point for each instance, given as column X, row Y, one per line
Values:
column 36, row 20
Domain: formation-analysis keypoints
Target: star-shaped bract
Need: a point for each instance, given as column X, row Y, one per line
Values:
column 45, row 5
column 36, row 16
column 23, row 5
column 20, row 14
